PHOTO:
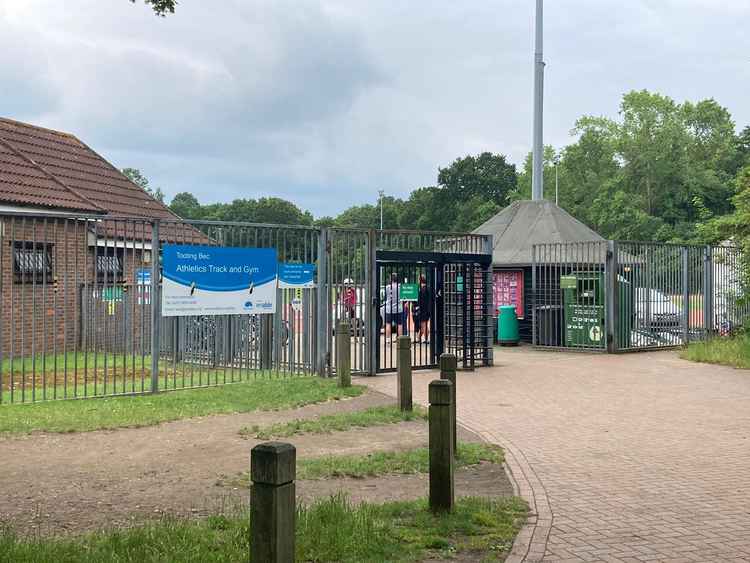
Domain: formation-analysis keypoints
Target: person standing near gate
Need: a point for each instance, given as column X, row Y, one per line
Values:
column 424, row 311
column 350, row 299
column 393, row 309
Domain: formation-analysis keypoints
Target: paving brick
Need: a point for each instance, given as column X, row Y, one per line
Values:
column 638, row 457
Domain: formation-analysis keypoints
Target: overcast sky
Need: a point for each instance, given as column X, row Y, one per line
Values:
column 324, row 102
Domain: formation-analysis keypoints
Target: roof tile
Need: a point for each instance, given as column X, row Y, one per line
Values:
column 45, row 168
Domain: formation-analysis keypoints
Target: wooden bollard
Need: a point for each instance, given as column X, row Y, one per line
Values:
column 448, row 365
column 404, row 374
column 343, row 354
column 273, row 468
column 441, row 446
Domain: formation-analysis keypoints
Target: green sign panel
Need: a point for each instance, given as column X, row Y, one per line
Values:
column 459, row 283
column 112, row 293
column 568, row 282
column 408, row 291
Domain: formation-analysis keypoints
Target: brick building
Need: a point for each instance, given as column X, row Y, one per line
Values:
column 75, row 247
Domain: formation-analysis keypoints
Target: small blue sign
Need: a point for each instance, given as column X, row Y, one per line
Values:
column 214, row 280
column 296, row 275
column 143, row 276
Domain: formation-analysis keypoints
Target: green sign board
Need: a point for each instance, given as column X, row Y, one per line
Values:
column 112, row 294
column 408, row 291
column 459, row 283
column 568, row 282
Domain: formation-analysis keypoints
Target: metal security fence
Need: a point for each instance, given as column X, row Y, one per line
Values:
column 75, row 316
column 629, row 296
column 569, row 308
column 80, row 304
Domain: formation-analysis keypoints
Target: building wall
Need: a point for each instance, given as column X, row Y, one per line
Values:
column 78, row 312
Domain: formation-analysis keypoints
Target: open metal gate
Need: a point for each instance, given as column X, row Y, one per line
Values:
column 441, row 300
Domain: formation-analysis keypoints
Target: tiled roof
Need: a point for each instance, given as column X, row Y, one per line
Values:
column 44, row 168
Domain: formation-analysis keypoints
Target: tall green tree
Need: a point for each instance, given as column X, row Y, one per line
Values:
column 264, row 210
column 487, row 176
column 670, row 165
column 186, row 205
column 161, row 7
column 523, row 190
column 138, row 178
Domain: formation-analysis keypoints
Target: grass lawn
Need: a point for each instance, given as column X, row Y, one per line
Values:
column 48, row 363
column 383, row 463
column 329, row 530
column 145, row 410
column 728, row 351
column 375, row 416
column 49, row 377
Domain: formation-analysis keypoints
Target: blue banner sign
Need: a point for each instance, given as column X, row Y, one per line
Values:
column 296, row 275
column 213, row 280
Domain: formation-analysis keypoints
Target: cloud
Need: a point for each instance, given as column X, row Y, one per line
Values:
column 324, row 102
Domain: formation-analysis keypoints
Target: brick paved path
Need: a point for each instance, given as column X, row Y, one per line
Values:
column 638, row 457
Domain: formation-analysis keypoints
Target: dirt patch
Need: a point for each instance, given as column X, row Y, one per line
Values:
column 70, row 483
column 485, row 479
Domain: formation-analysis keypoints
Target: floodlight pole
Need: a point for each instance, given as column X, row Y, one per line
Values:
column 557, row 185
column 537, row 181
column 382, row 193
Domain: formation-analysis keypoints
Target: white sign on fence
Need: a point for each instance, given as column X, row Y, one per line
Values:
column 212, row 280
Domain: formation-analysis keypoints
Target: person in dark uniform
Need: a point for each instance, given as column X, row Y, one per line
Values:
column 424, row 310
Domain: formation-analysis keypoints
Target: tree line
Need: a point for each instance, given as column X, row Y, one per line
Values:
column 662, row 171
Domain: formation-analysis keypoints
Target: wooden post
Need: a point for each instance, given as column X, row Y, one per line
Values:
column 343, row 354
column 404, row 373
column 448, row 365
column 272, row 502
column 441, row 446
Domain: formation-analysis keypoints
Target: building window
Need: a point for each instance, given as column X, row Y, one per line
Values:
column 109, row 264
column 32, row 261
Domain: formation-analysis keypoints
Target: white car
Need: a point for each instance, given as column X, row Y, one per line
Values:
column 654, row 308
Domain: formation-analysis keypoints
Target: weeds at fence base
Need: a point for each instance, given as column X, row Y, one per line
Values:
column 731, row 351
column 329, row 530
column 52, row 377
column 150, row 409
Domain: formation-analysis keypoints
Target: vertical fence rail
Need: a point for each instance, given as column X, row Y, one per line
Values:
column 656, row 295
column 569, row 295
column 80, row 297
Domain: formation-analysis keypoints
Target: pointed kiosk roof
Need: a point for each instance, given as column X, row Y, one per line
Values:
column 525, row 223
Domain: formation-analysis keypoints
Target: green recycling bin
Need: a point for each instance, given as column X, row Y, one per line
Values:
column 583, row 299
column 507, row 326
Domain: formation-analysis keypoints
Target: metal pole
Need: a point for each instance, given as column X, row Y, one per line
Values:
column 537, row 185
column 382, row 193
column 557, row 186
column 685, row 295
column 155, row 307
column 321, row 324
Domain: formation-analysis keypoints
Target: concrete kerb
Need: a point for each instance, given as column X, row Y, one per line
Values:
column 530, row 544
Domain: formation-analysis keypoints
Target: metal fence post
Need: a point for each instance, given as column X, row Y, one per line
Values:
column 533, row 297
column 489, row 299
column 708, row 292
column 611, row 298
column 273, row 467
column 442, row 463
column 685, row 294
column 155, row 305
column 404, row 374
column 372, row 334
column 321, row 321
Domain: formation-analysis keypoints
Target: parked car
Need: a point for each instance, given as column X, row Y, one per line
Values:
column 654, row 308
